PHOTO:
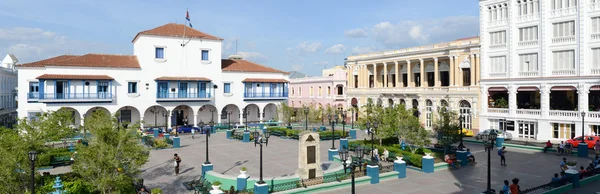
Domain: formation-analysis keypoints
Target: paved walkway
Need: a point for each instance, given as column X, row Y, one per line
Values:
column 531, row 167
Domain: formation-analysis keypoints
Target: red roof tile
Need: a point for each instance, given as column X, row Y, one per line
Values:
column 176, row 30
column 75, row 77
column 88, row 60
column 265, row 80
column 246, row 66
column 165, row 78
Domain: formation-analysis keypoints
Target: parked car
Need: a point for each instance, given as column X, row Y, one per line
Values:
column 187, row 129
column 151, row 131
column 507, row 136
column 590, row 140
column 467, row 132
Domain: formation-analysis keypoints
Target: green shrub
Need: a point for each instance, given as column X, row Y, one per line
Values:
column 169, row 141
column 160, row 143
column 416, row 160
column 149, row 141
column 156, row 191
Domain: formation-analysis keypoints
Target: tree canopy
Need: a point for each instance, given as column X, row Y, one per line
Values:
column 447, row 126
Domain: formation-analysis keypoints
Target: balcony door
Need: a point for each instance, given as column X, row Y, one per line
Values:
column 183, row 90
column 103, row 89
column 61, row 88
column 202, row 90
column 163, row 89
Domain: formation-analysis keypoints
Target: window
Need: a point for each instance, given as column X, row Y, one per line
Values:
column 596, row 58
column 311, row 91
column 498, row 64
column 528, row 34
column 498, row 38
column 595, row 129
column 465, row 112
column 328, row 90
column 205, row 55
column 466, row 74
column 564, row 60
column 227, row 88
column 159, row 53
column 300, row 91
column 293, row 91
column 125, row 116
column 34, row 87
column 340, row 90
column 529, row 62
column 132, row 87
column 596, row 25
column 560, row 4
column 429, row 113
column 563, row 130
column 564, row 29
column 319, row 91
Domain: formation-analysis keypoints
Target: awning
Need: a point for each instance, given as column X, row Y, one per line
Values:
column 166, row 78
column 528, row 89
column 74, row 77
column 497, row 89
column 264, row 80
column 563, row 88
column 595, row 88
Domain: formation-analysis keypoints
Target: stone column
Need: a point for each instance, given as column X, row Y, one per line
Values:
column 195, row 122
column 422, row 72
column 409, row 74
column 451, row 72
column 385, row 75
column 168, row 118
column 141, row 123
column 545, row 100
column 365, row 80
column 512, row 100
column 260, row 115
column 536, row 8
column 436, row 72
column 398, row 76
column 374, row 75
column 242, row 116
column 473, row 69
column 583, row 94
column 217, row 117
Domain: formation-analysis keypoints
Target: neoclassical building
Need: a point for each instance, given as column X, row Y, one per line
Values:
column 175, row 77
column 541, row 67
column 8, row 94
column 424, row 78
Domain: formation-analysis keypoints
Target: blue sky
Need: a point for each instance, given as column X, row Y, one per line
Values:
column 289, row 35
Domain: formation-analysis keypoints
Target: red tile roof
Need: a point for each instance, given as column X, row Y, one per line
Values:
column 165, row 78
column 236, row 65
column 75, row 77
column 88, row 60
column 176, row 30
column 265, row 80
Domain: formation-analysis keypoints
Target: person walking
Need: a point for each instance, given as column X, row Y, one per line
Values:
column 193, row 132
column 501, row 153
column 176, row 164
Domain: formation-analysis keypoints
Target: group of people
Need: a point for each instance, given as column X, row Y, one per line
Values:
column 383, row 157
column 454, row 162
column 513, row 188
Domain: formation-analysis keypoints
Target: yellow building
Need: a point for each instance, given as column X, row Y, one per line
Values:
column 424, row 78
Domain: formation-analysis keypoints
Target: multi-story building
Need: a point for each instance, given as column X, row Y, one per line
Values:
column 540, row 67
column 8, row 94
column 175, row 77
column 321, row 92
column 423, row 78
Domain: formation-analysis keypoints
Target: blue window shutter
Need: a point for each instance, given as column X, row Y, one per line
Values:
column 205, row 55
column 227, row 88
column 159, row 53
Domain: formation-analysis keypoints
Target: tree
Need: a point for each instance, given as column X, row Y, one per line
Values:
column 114, row 155
column 447, row 127
column 28, row 135
column 286, row 113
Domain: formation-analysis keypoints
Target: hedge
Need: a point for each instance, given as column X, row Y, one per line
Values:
column 45, row 159
column 412, row 159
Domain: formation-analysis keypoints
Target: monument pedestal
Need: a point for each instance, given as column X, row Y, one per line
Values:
column 344, row 143
column 216, row 191
column 573, row 176
column 261, row 188
column 462, row 156
column 352, row 134
column 331, row 154
column 582, row 150
column 309, row 157
column 400, row 167
column 206, row 168
column 427, row 163
column 373, row 172
column 242, row 181
column 246, row 137
column 229, row 134
column 176, row 142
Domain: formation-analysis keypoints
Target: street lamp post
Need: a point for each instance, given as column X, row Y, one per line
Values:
column 488, row 140
column 246, row 114
column 372, row 133
column 258, row 140
column 306, row 110
column 212, row 114
column 352, row 166
column 32, row 158
column 229, row 119
column 344, row 113
column 155, row 112
column 333, row 120
column 582, row 126
column 461, row 119
column 352, row 120
column 207, row 133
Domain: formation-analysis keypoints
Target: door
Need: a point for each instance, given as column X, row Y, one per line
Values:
column 163, row 89
column 202, row 90
column 183, row 88
column 60, row 90
column 102, row 90
column 273, row 90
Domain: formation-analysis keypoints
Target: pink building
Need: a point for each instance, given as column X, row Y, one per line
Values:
column 329, row 89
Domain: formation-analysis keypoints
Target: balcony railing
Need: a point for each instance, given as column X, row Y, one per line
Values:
column 498, row 46
column 563, row 40
column 70, row 97
column 594, row 115
column 563, row 12
column 498, row 23
column 565, row 72
column 595, row 36
column 266, row 95
column 498, row 110
column 534, row 112
column 529, row 74
column 564, row 113
column 594, row 6
column 175, row 96
column 595, row 71
column 498, row 75
column 529, row 17
column 528, row 43
column 340, row 97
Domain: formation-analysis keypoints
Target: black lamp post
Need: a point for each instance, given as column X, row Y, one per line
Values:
column 260, row 141
column 344, row 113
column 488, row 140
column 333, row 120
column 352, row 118
column 212, row 115
column 372, row 133
column 461, row 120
column 352, row 166
column 229, row 119
column 153, row 110
column 306, row 110
column 246, row 114
column 207, row 133
column 32, row 158
column 582, row 126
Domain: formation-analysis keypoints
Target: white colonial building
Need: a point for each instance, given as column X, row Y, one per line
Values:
column 8, row 94
column 540, row 67
column 175, row 77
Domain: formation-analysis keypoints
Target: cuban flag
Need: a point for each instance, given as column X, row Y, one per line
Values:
column 187, row 17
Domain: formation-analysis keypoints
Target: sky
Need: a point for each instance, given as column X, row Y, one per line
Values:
column 289, row 35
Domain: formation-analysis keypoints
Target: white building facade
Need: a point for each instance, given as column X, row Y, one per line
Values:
column 175, row 77
column 8, row 94
column 540, row 67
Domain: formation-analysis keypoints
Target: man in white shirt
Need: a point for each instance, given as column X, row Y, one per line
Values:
column 561, row 148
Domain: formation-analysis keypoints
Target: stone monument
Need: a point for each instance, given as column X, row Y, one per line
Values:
column 309, row 157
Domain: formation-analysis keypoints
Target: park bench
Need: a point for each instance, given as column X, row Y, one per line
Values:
column 277, row 133
column 60, row 161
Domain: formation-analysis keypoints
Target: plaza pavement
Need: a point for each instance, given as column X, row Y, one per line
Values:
column 280, row 159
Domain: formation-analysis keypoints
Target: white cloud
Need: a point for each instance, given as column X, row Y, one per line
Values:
column 356, row 33
column 411, row 33
column 21, row 33
column 361, row 50
column 306, row 47
column 254, row 57
column 336, row 49
column 321, row 63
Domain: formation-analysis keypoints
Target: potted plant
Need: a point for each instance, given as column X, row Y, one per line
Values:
column 399, row 156
column 427, row 151
column 243, row 170
column 216, row 185
column 572, row 165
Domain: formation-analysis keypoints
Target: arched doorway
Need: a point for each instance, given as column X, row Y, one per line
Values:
column 91, row 111
column 402, row 102
column 230, row 114
column 252, row 114
column 390, row 102
column 379, row 102
column 564, row 98
column 155, row 116
column 498, row 97
column 270, row 112
column 207, row 113
column 182, row 115
column 429, row 113
column 128, row 115
column 415, row 106
column 465, row 112
column 443, row 103
column 354, row 104
column 75, row 117
column 528, row 97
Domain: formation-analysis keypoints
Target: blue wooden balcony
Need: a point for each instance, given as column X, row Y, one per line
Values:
column 70, row 97
column 178, row 97
column 265, row 96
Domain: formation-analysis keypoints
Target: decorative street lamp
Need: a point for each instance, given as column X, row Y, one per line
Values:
column 344, row 113
column 488, row 140
column 207, row 133
column 352, row 166
column 352, row 117
column 333, row 120
column 372, row 133
column 212, row 115
column 260, row 141
column 461, row 120
column 229, row 119
column 306, row 110
column 32, row 158
column 582, row 126
column 246, row 114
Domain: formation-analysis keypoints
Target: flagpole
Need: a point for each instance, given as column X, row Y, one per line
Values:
column 184, row 27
